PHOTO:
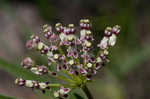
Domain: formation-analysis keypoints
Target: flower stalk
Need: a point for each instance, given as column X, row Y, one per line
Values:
column 87, row 92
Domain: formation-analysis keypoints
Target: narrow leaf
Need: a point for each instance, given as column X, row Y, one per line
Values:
column 18, row 71
column 6, row 97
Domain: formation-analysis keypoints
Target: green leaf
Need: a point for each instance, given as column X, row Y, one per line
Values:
column 18, row 71
column 78, row 96
column 6, row 97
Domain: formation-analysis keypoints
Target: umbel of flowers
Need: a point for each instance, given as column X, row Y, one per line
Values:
column 69, row 50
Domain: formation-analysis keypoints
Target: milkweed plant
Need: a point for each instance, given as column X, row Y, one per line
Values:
column 70, row 52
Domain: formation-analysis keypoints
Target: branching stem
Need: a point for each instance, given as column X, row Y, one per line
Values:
column 87, row 92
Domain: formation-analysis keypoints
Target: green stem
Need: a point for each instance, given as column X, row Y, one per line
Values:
column 63, row 78
column 54, row 85
column 87, row 92
column 60, row 85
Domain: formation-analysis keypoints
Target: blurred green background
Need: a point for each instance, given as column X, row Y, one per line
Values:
column 127, row 75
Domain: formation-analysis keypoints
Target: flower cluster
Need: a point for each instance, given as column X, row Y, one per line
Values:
column 33, row 84
column 69, row 50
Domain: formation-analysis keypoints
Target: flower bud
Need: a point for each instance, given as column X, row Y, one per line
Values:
column 53, row 37
column 27, row 63
column 86, row 20
column 88, row 44
column 66, row 90
column 81, row 23
column 59, row 27
column 30, row 44
column 102, row 56
column 116, row 29
column 98, row 60
column 106, row 52
column 108, row 31
column 89, row 65
column 35, row 39
column 82, row 34
column 58, row 68
column 88, row 77
column 62, row 36
column 83, row 71
column 72, row 29
column 29, row 83
column 70, row 38
column 70, row 53
column 35, row 70
column 54, row 48
column 20, row 81
column 42, row 85
column 104, row 42
column 40, row 46
column 71, row 62
column 56, row 94
column 45, row 26
column 40, row 70
column 48, row 35
column 43, row 69
column 36, row 84
column 75, row 54
column 45, row 50
column 112, row 40
column 88, row 32
column 97, row 66
column 56, row 56
column 61, row 91
column 71, row 71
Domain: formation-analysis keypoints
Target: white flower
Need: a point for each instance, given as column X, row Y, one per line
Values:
column 17, row 81
column 49, row 54
column 116, row 29
column 108, row 31
column 82, row 34
column 89, row 65
column 66, row 90
column 71, row 37
column 71, row 62
column 98, row 60
column 106, row 52
column 42, row 85
column 40, row 45
column 35, row 70
column 29, row 83
column 61, row 91
column 88, row 32
column 88, row 44
column 63, row 36
column 56, row 56
column 112, row 40
column 56, row 94
column 104, row 42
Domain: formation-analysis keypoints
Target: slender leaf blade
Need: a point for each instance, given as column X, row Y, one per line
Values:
column 6, row 97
